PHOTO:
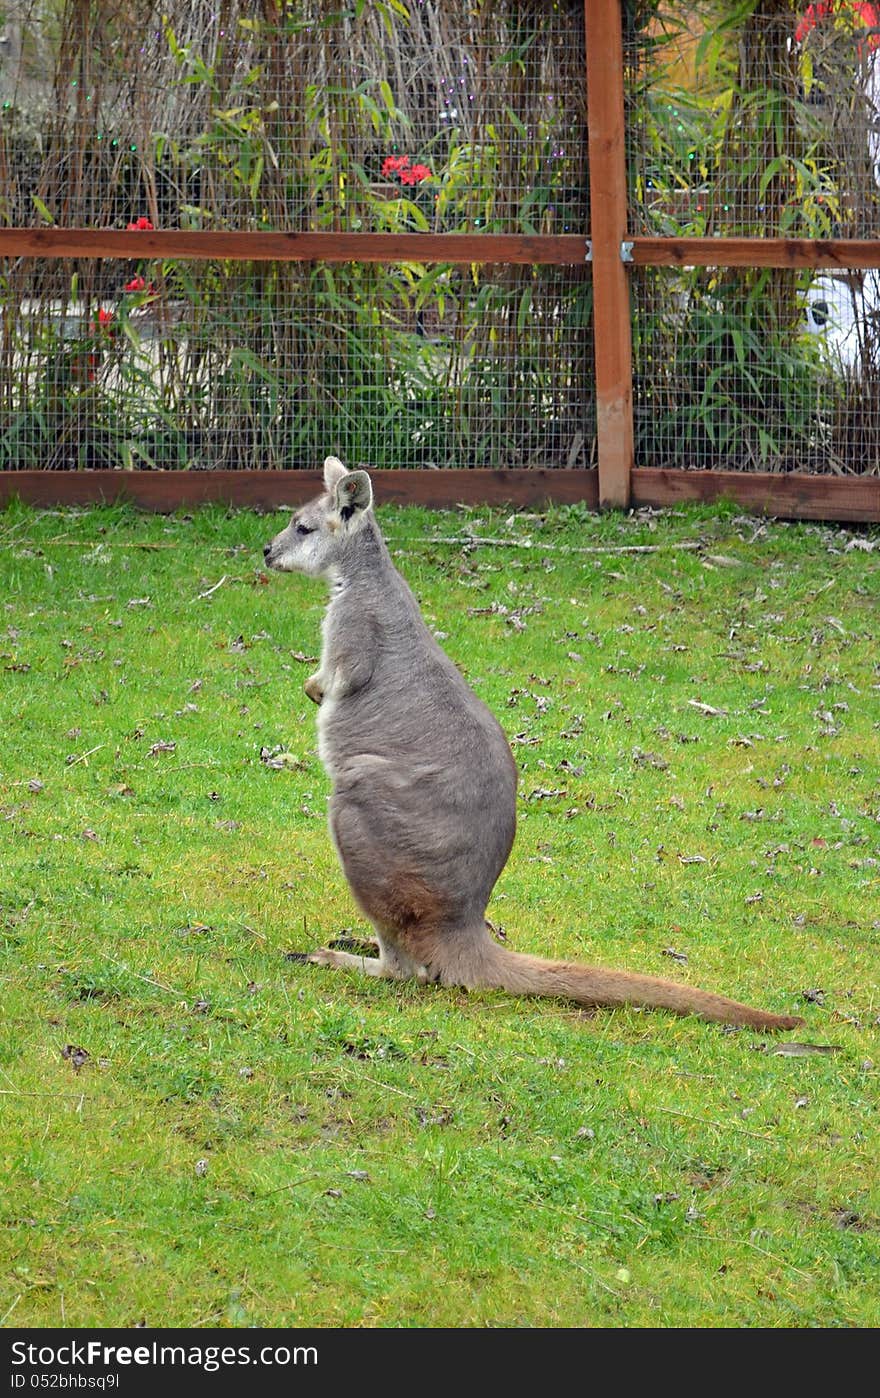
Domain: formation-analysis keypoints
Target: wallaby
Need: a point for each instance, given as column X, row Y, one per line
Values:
column 423, row 806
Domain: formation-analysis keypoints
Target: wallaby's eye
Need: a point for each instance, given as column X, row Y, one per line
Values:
column 304, row 529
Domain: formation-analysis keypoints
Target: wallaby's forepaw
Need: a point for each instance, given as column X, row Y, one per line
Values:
column 325, row 956
column 344, row 961
column 368, row 946
column 314, row 689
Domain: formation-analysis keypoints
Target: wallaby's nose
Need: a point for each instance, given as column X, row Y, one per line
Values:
column 267, row 549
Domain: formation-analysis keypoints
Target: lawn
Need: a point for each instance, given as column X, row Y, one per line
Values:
column 197, row 1130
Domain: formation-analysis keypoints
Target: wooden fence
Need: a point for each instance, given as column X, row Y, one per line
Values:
column 610, row 248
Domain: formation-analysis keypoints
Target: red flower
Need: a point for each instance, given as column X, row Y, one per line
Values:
column 409, row 174
column 415, row 174
column 87, row 365
column 867, row 13
column 140, row 225
column 136, row 284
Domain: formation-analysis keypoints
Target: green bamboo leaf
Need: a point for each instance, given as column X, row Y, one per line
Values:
column 515, row 122
column 767, row 445
column 525, row 307
column 254, row 181
column 42, row 210
column 771, row 171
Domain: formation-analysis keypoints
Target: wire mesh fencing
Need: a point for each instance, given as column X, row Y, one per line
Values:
column 442, row 118
column 437, row 116
column 727, row 376
column 758, row 124
column 272, row 365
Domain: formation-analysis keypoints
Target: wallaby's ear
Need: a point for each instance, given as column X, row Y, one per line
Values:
column 333, row 473
column 353, row 494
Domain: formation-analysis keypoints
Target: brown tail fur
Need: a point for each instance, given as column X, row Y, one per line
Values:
column 594, row 985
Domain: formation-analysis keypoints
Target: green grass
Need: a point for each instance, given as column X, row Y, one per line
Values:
column 254, row 1141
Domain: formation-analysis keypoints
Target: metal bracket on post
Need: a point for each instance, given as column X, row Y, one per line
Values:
column 626, row 252
column 589, row 250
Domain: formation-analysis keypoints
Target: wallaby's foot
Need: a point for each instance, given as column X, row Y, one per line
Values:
column 314, row 688
column 345, row 961
column 781, row 1022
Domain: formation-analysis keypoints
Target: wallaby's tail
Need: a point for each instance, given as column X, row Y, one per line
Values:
column 594, row 985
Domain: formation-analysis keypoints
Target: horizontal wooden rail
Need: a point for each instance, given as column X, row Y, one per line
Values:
column 166, row 491
column 755, row 252
column 854, row 499
column 566, row 249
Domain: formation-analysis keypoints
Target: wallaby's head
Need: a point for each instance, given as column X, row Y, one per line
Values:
column 319, row 533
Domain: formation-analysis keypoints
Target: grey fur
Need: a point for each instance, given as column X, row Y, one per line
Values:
column 423, row 806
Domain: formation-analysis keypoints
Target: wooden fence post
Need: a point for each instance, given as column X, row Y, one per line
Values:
column 612, row 326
